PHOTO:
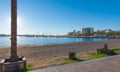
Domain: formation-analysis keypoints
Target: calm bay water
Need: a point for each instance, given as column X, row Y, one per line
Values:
column 5, row 41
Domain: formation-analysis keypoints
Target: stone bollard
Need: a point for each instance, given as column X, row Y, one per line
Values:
column 72, row 55
column 105, row 46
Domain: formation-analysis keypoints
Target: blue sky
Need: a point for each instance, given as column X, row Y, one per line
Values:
column 61, row 16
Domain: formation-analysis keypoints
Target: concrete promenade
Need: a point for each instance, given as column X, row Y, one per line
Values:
column 107, row 64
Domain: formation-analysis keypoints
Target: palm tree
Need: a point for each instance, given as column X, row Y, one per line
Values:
column 14, row 56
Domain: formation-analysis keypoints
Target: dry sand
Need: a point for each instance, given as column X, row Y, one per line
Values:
column 43, row 55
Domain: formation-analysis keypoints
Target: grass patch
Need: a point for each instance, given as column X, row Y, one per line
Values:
column 97, row 55
column 28, row 67
column 69, row 61
column 101, row 55
column 117, row 51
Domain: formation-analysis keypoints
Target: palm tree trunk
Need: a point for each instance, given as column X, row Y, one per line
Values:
column 14, row 56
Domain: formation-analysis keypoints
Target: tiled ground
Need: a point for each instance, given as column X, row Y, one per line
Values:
column 108, row 64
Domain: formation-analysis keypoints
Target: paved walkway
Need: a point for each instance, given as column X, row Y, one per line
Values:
column 108, row 64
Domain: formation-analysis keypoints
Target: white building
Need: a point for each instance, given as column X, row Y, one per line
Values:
column 108, row 30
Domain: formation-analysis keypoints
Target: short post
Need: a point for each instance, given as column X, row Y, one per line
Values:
column 24, row 62
column 72, row 55
column 105, row 46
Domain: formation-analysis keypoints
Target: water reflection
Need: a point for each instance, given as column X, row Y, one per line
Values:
column 5, row 41
column 87, row 39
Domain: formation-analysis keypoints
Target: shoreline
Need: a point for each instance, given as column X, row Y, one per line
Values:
column 66, row 42
column 19, row 46
column 60, row 49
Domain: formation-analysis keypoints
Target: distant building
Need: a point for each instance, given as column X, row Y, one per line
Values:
column 78, row 33
column 117, row 31
column 108, row 30
column 98, row 31
column 74, row 33
column 87, row 30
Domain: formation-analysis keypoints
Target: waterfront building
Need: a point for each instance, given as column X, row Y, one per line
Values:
column 108, row 30
column 87, row 30
column 74, row 33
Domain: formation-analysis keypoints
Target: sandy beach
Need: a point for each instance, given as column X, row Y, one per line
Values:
column 39, row 54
